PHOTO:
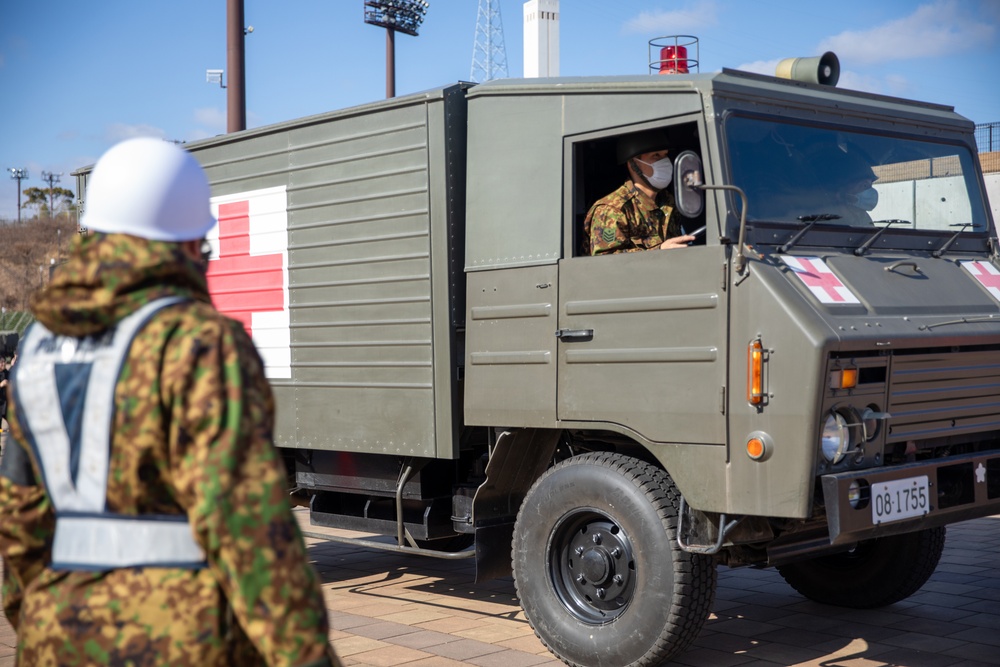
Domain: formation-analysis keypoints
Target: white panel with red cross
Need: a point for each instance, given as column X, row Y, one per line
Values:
column 820, row 280
column 986, row 275
column 248, row 270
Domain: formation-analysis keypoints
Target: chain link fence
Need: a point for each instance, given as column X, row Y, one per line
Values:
column 988, row 137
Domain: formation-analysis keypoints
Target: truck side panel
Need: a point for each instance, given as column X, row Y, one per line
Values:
column 366, row 231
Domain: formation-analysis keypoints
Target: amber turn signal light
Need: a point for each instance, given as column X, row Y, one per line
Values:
column 844, row 378
column 755, row 372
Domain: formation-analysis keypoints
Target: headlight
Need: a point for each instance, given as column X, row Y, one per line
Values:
column 836, row 437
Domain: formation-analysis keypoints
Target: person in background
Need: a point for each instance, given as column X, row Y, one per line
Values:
column 3, row 399
column 845, row 184
column 640, row 214
column 144, row 516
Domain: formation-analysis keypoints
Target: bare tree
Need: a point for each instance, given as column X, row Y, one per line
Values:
column 27, row 253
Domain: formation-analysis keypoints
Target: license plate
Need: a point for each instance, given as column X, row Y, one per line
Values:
column 900, row 499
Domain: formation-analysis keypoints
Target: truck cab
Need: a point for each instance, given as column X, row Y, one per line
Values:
column 818, row 377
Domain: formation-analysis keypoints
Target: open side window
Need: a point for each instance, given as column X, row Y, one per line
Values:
column 597, row 173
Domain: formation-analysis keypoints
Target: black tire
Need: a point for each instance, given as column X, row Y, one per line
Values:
column 875, row 573
column 606, row 523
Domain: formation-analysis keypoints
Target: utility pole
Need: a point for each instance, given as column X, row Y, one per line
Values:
column 403, row 16
column 18, row 175
column 235, row 61
column 51, row 179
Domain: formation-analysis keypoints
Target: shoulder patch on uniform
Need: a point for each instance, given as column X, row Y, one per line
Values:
column 608, row 234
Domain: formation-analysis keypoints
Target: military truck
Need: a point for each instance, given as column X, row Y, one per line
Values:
column 810, row 385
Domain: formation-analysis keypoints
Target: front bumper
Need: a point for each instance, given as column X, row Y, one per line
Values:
column 960, row 488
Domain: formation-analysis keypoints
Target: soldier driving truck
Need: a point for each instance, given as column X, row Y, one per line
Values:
column 796, row 389
column 640, row 214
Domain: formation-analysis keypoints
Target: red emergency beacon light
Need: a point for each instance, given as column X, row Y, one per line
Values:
column 673, row 54
column 674, row 60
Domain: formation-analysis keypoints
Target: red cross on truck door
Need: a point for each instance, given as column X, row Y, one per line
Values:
column 248, row 270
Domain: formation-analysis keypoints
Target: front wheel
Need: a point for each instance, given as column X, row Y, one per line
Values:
column 597, row 567
column 873, row 573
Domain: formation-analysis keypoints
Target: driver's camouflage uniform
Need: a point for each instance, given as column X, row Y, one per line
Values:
column 628, row 221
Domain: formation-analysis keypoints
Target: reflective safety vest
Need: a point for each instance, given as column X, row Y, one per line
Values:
column 64, row 388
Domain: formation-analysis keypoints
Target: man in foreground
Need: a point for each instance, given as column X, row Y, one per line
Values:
column 143, row 507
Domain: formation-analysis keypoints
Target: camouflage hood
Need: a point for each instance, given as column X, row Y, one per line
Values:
column 109, row 276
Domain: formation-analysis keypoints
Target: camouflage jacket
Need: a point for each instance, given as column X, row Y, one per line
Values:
column 192, row 435
column 627, row 221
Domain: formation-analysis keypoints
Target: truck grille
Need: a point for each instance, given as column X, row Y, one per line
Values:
column 943, row 394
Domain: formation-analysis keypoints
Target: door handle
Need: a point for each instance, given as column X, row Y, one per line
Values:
column 575, row 334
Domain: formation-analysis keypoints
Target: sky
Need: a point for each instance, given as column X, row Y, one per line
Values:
column 77, row 77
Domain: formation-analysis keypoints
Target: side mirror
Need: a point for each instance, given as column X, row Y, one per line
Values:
column 688, row 197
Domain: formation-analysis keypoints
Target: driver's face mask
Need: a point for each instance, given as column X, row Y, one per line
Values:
column 663, row 172
column 866, row 199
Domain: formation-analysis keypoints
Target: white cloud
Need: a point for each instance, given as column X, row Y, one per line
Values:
column 213, row 119
column 937, row 29
column 851, row 80
column 120, row 132
column 760, row 66
column 899, row 85
column 687, row 20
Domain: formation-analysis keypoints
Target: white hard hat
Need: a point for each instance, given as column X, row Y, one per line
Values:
column 149, row 188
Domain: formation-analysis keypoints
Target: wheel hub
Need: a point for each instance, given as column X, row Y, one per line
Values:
column 595, row 564
column 594, row 570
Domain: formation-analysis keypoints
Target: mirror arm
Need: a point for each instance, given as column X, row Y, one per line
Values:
column 740, row 263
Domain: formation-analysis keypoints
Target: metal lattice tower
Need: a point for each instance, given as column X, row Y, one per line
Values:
column 489, row 57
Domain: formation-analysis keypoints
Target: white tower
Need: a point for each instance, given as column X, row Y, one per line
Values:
column 541, row 38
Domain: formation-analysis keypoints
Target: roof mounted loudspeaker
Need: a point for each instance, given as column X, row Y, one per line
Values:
column 824, row 69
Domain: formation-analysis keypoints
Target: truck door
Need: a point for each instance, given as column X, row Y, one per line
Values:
column 643, row 343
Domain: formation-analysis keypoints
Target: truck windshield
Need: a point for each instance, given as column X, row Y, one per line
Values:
column 791, row 171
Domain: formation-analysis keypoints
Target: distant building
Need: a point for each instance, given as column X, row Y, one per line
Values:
column 541, row 38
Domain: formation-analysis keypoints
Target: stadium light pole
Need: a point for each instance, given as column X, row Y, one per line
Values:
column 18, row 175
column 236, row 115
column 403, row 16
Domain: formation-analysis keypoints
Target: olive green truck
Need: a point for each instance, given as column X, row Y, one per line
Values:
column 813, row 384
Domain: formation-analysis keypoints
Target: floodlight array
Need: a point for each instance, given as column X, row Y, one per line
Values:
column 403, row 16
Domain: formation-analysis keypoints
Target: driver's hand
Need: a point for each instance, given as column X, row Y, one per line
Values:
column 677, row 242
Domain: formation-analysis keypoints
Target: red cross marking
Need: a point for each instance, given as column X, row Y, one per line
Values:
column 823, row 280
column 240, row 283
column 985, row 276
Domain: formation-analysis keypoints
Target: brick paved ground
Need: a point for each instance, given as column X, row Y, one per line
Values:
column 390, row 610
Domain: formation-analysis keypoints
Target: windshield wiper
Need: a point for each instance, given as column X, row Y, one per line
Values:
column 863, row 248
column 947, row 244
column 812, row 220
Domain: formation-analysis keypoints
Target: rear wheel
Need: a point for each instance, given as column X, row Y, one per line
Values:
column 874, row 573
column 597, row 567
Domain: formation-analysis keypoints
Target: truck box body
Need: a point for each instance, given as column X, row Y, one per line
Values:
column 373, row 212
